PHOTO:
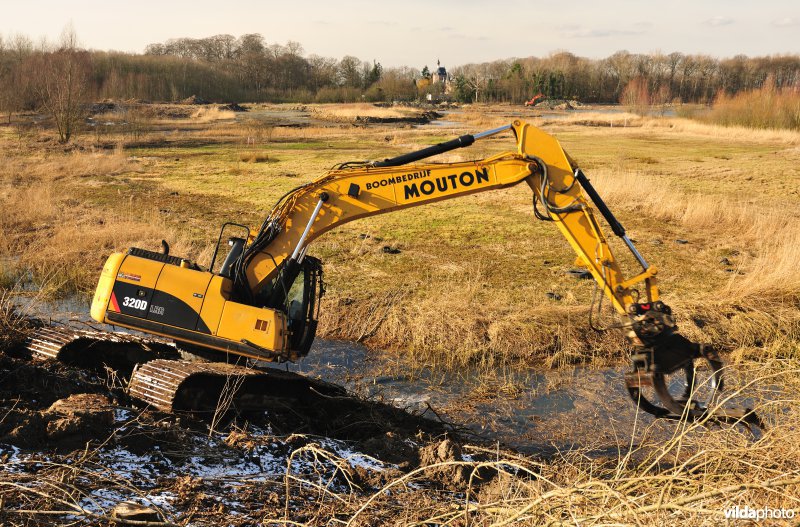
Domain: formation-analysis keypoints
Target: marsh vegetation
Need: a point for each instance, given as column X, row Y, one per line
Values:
column 471, row 283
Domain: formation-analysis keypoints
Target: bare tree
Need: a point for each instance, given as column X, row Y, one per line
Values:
column 62, row 84
column 473, row 77
column 636, row 96
column 15, row 74
column 398, row 83
column 6, row 82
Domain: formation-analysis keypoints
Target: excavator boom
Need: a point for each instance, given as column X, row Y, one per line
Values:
column 356, row 192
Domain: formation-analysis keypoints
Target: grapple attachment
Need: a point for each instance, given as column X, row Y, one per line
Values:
column 673, row 377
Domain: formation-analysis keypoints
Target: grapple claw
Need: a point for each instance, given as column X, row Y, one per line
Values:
column 678, row 379
column 673, row 377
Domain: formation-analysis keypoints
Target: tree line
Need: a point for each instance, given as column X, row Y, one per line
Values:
column 248, row 68
column 673, row 77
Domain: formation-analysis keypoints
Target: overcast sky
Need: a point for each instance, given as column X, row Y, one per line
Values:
column 417, row 32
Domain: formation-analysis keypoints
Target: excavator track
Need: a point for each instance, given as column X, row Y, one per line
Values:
column 214, row 387
column 159, row 382
column 159, row 379
column 49, row 342
column 93, row 349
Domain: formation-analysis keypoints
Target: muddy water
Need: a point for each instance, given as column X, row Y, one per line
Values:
column 70, row 309
column 528, row 409
column 532, row 410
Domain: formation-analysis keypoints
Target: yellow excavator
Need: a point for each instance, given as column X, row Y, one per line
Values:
column 262, row 302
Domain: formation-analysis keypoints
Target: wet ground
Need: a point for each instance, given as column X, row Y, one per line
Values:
column 537, row 411
column 71, row 439
column 532, row 410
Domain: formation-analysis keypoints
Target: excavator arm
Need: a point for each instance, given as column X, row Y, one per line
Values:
column 377, row 188
column 261, row 304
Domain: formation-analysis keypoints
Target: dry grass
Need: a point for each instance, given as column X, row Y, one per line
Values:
column 14, row 326
column 768, row 107
column 618, row 119
column 212, row 113
column 757, row 304
column 772, row 236
column 77, row 163
column 351, row 111
column 772, row 273
column 459, row 324
column 479, row 119
column 718, row 131
column 59, row 241
column 691, row 478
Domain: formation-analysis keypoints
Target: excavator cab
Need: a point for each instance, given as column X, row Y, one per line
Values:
column 302, row 304
column 296, row 291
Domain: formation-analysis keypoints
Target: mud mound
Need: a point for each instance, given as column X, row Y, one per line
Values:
column 102, row 107
column 559, row 104
column 232, row 107
column 445, row 460
column 67, row 425
column 78, row 419
column 47, row 404
column 423, row 118
column 194, row 99
column 28, row 384
column 392, row 448
column 64, row 405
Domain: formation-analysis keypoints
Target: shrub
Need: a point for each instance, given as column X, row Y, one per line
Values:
column 767, row 107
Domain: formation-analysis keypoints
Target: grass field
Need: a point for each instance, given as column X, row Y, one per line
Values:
column 471, row 281
column 714, row 208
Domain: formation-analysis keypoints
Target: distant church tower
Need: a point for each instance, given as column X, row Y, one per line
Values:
column 440, row 75
column 439, row 78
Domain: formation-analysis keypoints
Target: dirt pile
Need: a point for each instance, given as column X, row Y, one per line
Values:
column 51, row 405
column 67, row 425
column 211, row 469
column 444, row 462
column 102, row 107
column 194, row 99
column 78, row 417
column 423, row 118
column 232, row 107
